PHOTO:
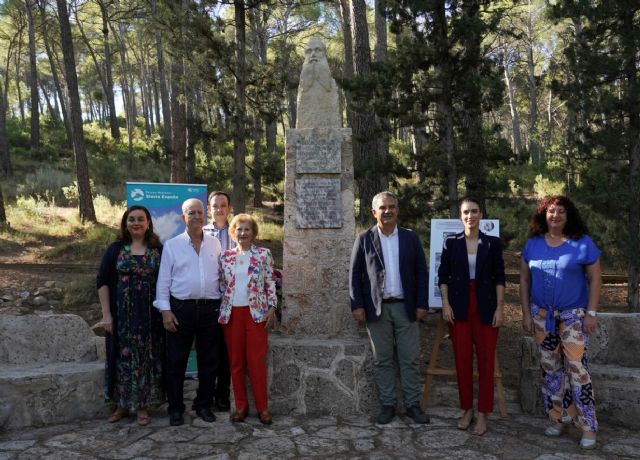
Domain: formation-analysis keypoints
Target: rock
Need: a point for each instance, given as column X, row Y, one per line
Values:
column 49, row 284
column 7, row 298
column 39, row 301
column 24, row 295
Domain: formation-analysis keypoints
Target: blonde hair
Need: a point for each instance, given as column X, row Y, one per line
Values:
column 241, row 219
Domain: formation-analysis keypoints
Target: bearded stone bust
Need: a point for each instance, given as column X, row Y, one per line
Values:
column 318, row 105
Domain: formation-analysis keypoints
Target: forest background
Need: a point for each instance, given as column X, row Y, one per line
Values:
column 508, row 101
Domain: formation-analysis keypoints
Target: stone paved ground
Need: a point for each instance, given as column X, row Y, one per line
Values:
column 516, row 437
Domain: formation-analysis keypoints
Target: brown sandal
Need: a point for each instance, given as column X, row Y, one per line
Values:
column 143, row 418
column 118, row 415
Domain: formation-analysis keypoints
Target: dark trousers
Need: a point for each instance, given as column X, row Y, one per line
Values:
column 197, row 319
column 223, row 374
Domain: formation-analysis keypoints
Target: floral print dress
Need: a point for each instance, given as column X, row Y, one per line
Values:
column 138, row 355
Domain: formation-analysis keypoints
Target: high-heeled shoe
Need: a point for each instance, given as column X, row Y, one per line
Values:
column 239, row 415
column 265, row 417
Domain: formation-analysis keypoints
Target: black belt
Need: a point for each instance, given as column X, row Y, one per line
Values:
column 392, row 300
column 194, row 302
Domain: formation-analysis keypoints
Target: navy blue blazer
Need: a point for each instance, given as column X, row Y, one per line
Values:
column 454, row 272
column 367, row 273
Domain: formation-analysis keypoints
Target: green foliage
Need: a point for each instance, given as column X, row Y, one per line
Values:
column 47, row 183
column 546, row 187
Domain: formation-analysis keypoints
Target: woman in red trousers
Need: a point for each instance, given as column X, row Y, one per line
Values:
column 247, row 311
column 471, row 279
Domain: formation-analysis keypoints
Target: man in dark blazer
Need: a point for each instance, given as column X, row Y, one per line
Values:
column 388, row 288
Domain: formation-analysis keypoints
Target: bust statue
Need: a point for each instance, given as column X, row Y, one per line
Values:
column 318, row 105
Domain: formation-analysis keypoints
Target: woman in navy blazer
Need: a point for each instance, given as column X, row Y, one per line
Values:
column 471, row 279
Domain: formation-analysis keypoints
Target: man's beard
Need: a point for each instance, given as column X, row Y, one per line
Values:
column 316, row 72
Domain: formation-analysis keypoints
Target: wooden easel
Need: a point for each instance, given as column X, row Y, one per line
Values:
column 434, row 370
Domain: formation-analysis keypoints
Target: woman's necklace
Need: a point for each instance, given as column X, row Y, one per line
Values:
column 242, row 257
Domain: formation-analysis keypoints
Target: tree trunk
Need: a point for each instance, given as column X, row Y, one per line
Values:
column 144, row 95
column 534, row 145
column 85, row 202
column 239, row 117
column 515, row 118
column 5, row 159
column 348, row 53
column 126, row 93
column 445, row 105
column 62, row 97
column 164, row 91
column 257, row 164
column 381, row 56
column 3, row 214
column 33, row 78
column 370, row 176
column 178, row 111
column 179, row 121
column 156, row 95
column 17, row 59
column 108, row 74
column 474, row 148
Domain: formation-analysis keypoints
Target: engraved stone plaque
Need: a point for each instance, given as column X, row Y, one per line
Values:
column 318, row 155
column 319, row 203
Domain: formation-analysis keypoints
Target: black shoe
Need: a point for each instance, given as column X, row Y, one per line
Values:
column 223, row 405
column 205, row 414
column 176, row 419
column 418, row 415
column 386, row 415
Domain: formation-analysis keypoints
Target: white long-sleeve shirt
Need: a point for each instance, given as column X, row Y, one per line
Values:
column 185, row 274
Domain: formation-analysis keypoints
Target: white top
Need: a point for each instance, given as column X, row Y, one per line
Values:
column 472, row 265
column 185, row 274
column 391, row 256
column 241, row 273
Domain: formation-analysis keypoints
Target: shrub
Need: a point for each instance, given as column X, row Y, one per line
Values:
column 45, row 182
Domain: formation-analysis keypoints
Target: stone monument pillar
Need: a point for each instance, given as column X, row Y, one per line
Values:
column 320, row 363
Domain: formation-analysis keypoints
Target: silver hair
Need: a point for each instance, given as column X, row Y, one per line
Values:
column 380, row 195
column 190, row 202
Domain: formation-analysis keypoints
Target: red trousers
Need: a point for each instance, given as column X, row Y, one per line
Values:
column 247, row 343
column 464, row 335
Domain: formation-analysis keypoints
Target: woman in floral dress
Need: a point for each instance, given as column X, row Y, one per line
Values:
column 126, row 285
column 247, row 311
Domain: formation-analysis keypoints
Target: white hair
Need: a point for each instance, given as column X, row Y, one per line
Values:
column 381, row 195
column 190, row 202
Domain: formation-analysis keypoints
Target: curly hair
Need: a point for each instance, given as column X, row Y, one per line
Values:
column 152, row 240
column 241, row 219
column 575, row 227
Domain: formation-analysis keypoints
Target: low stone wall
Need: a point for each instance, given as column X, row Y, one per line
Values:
column 614, row 365
column 49, row 370
column 321, row 376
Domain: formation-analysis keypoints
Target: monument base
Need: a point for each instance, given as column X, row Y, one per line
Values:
column 321, row 376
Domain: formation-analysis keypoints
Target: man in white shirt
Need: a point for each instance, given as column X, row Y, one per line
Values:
column 220, row 208
column 188, row 296
column 388, row 288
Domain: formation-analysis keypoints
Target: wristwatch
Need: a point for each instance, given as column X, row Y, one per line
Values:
column 592, row 313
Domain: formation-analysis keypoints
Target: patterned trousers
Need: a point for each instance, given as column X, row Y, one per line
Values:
column 567, row 389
